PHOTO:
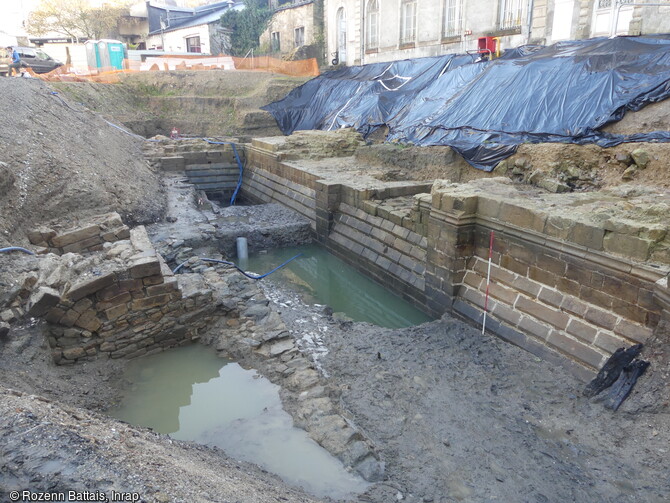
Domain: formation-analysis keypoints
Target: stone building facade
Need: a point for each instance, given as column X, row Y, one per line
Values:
column 368, row 31
column 295, row 30
column 291, row 27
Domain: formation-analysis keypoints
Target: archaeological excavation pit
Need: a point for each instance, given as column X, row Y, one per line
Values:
column 410, row 401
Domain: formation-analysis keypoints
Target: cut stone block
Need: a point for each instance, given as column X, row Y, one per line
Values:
column 144, row 267
column 74, row 236
column 89, row 286
column 74, row 353
column 42, row 300
column 89, row 321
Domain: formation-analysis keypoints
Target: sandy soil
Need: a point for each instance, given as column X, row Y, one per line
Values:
column 152, row 103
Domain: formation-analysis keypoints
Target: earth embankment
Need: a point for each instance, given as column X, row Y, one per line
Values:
column 60, row 161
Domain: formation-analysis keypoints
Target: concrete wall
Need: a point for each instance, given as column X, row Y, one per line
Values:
column 285, row 21
column 567, row 290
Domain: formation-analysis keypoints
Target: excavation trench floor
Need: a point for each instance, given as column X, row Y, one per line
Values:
column 458, row 416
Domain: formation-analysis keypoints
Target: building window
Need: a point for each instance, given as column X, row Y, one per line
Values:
column 300, row 36
column 453, row 12
column 510, row 14
column 193, row 44
column 372, row 25
column 607, row 4
column 408, row 22
column 341, row 33
column 276, row 43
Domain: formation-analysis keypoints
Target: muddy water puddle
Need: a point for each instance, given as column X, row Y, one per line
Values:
column 192, row 394
column 322, row 278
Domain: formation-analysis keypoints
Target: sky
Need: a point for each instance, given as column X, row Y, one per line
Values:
column 15, row 12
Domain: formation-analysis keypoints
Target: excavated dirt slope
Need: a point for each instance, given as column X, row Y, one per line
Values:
column 204, row 103
column 59, row 160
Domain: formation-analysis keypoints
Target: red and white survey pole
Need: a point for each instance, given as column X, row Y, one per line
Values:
column 488, row 282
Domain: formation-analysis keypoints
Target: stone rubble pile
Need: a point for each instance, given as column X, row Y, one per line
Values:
column 83, row 238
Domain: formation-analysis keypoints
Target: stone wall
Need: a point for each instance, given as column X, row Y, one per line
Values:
column 120, row 302
column 662, row 298
column 389, row 252
column 266, row 179
column 351, row 221
column 561, row 284
column 85, row 237
column 170, row 159
column 209, row 167
column 285, row 21
column 574, row 276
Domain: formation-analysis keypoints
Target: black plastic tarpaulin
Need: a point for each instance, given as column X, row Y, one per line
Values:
column 484, row 109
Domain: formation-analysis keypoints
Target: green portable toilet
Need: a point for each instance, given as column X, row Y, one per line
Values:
column 117, row 53
column 105, row 54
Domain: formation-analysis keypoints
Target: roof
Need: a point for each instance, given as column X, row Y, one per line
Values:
column 204, row 14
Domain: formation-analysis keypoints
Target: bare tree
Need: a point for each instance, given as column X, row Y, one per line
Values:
column 76, row 18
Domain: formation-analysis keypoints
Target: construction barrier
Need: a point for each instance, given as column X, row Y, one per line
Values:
column 68, row 73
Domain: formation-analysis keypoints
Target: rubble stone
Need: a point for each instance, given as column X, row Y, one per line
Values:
column 640, row 157
column 42, row 300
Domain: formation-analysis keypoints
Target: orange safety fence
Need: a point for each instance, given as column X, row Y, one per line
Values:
column 69, row 73
column 300, row 68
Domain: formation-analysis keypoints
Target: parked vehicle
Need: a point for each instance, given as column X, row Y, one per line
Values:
column 37, row 59
column 5, row 60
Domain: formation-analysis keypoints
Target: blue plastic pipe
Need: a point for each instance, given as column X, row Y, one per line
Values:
column 252, row 276
column 239, row 165
column 16, row 248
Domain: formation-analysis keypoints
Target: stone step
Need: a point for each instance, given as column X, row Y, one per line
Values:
column 212, row 167
column 216, row 186
column 213, row 179
column 232, row 171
